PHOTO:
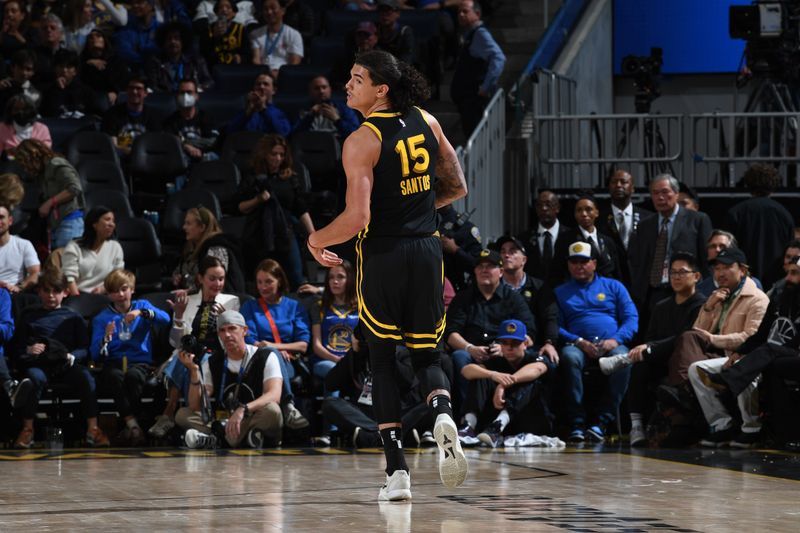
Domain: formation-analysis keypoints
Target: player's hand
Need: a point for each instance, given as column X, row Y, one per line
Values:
column 324, row 256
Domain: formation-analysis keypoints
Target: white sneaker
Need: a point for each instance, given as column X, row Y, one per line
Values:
column 397, row 487
column 293, row 418
column 453, row 465
column 196, row 440
column 612, row 363
column 162, row 426
column 638, row 436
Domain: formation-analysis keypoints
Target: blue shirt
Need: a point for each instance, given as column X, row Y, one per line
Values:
column 485, row 47
column 336, row 328
column 269, row 120
column 601, row 308
column 6, row 322
column 138, row 348
column 290, row 318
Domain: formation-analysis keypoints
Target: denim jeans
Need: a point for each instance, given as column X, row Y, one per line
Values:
column 66, row 231
column 287, row 371
column 461, row 358
column 320, row 369
column 573, row 361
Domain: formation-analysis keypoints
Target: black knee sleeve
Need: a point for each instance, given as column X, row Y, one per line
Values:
column 428, row 367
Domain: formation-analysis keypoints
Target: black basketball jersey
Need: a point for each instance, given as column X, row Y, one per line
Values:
column 403, row 199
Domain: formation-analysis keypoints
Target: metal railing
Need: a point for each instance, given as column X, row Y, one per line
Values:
column 703, row 150
column 724, row 144
column 576, row 151
column 482, row 159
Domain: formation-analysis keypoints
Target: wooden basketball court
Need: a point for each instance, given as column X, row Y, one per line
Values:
column 328, row 489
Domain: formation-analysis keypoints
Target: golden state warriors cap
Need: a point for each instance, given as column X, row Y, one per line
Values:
column 512, row 329
column 580, row 249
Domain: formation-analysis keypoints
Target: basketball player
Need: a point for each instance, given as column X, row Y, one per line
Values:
column 400, row 168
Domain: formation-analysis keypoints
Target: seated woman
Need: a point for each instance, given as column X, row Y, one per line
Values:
column 204, row 238
column 61, row 190
column 193, row 314
column 19, row 123
column 276, row 321
column 87, row 261
column 272, row 175
column 334, row 319
column 122, row 349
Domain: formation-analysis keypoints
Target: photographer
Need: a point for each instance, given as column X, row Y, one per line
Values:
column 461, row 244
column 246, row 383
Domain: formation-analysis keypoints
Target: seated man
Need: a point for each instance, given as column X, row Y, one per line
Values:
column 777, row 337
column 190, row 124
column 246, row 383
column 676, row 314
column 260, row 114
column 508, row 380
column 19, row 264
column 729, row 317
column 352, row 410
column 718, row 241
column 597, row 318
column 122, row 348
column 51, row 346
column 474, row 318
column 128, row 120
column 326, row 114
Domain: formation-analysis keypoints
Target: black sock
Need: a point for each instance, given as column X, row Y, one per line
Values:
column 440, row 404
column 393, row 449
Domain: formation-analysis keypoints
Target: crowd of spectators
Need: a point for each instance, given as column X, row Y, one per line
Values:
column 614, row 319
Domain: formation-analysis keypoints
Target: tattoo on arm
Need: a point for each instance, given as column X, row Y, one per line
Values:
column 451, row 184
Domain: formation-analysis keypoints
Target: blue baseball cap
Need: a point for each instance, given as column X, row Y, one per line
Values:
column 512, row 329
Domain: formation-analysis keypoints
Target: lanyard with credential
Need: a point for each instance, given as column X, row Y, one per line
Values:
column 270, row 45
column 225, row 379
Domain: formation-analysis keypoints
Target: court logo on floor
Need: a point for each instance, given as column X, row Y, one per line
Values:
column 564, row 515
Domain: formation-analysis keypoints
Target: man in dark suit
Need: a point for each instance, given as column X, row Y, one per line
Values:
column 673, row 229
column 542, row 243
column 623, row 220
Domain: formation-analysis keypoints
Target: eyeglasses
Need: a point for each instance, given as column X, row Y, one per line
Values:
column 680, row 273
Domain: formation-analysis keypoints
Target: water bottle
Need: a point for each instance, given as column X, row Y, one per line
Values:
column 124, row 330
column 55, row 438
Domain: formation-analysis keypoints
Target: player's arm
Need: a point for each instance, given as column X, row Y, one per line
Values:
column 450, row 184
column 359, row 156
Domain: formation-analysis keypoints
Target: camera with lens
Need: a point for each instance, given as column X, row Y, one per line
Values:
column 645, row 71
column 771, row 31
column 190, row 344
